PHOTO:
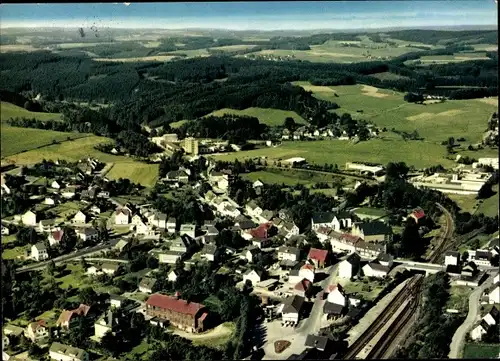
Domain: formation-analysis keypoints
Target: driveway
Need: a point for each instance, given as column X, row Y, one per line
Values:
column 474, row 315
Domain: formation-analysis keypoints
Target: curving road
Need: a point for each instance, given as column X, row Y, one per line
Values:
column 458, row 339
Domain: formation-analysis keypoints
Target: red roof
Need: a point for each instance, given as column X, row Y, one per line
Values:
column 308, row 266
column 174, row 304
column 57, row 235
column 203, row 316
column 418, row 213
column 351, row 238
column 317, row 254
column 303, row 285
column 36, row 325
column 261, row 231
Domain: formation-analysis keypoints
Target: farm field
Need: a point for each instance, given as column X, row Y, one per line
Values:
column 457, row 57
column 136, row 59
column 469, row 203
column 417, row 153
column 387, row 108
column 489, row 206
column 84, row 147
column 9, row 110
column 481, row 351
column 230, row 48
column 271, row 117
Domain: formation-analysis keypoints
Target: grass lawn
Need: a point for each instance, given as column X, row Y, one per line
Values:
column 362, row 289
column 9, row 110
column 177, row 124
column 459, row 298
column 139, row 352
column 15, row 140
column 13, row 253
column 271, row 117
column 218, row 339
column 291, row 177
column 371, row 211
column 417, row 153
column 73, row 274
column 466, row 202
column 124, row 167
column 489, row 206
column 9, row 238
column 387, row 108
column 481, row 351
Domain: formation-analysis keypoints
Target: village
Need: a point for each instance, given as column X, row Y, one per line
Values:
column 330, row 276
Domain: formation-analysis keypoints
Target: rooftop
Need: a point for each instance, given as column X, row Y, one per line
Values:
column 174, row 304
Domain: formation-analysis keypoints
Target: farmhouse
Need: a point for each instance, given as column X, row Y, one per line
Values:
column 254, row 276
column 39, row 252
column 188, row 316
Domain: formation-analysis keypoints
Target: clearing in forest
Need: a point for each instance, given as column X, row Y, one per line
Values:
column 372, row 91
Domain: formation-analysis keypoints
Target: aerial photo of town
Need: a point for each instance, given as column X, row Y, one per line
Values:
column 297, row 180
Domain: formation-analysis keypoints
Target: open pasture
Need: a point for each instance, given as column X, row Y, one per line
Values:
column 124, row 167
column 271, row 117
column 9, row 110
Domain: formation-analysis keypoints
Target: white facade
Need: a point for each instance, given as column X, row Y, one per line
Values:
column 494, row 295
column 451, row 260
column 345, row 269
column 55, row 185
column 39, row 254
column 29, row 219
column 493, row 162
column 169, row 258
column 307, row 273
column 121, row 218
column 477, row 333
column 188, row 229
column 363, row 167
column 287, row 256
column 253, row 277
column 372, row 272
column 49, row 201
column 80, row 217
column 336, row 297
column 172, row 276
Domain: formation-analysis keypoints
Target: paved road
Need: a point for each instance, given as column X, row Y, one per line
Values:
column 458, row 339
column 312, row 324
column 68, row 257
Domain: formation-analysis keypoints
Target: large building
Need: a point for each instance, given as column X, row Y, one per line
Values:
column 188, row 316
column 461, row 183
column 191, row 146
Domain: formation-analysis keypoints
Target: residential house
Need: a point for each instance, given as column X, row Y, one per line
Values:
column 266, row 216
column 385, row 259
column 68, row 316
column 116, row 301
column 29, row 219
column 417, row 214
column 317, row 257
column 375, row 269
column 336, row 295
column 177, row 176
column 142, row 229
column 307, row 271
column 372, row 231
column 481, row 257
column 80, row 217
column 188, row 229
column 320, row 343
column 136, row 219
column 290, row 254
column 37, row 331
column 333, row 311
column 47, row 225
column 122, row 245
column 50, row 201
column 291, row 310
column 147, row 284
column 303, row 288
column 251, row 252
column 87, row 234
column 122, row 216
column 110, row 268
column 161, row 220
column 61, row 352
column 55, row 238
column 179, row 244
column 104, row 324
column 343, row 242
column 369, row 249
column 492, row 317
column 349, row 267
column 288, row 229
column 208, row 252
column 55, row 184
column 5, row 230
column 479, row 331
column 39, row 252
column 452, row 258
column 335, row 221
column 260, row 242
column 170, row 257
column 469, row 270
column 68, row 192
column 171, row 225
column 257, row 184
column 253, row 210
column 172, row 276
column 261, row 234
column 188, row 316
column 254, row 276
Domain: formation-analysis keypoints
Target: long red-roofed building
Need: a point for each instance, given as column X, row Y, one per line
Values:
column 188, row 316
column 318, row 257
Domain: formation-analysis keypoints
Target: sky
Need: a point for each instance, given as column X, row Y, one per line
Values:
column 299, row 15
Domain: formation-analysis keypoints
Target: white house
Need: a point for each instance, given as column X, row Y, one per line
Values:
column 208, row 252
column 288, row 254
column 169, row 257
column 452, row 258
column 61, row 352
column 68, row 192
column 55, row 185
column 104, row 325
column 171, row 225
column 491, row 317
column 29, row 219
column 349, row 267
column 257, row 184
column 37, row 331
column 87, row 234
column 39, row 252
column 250, row 253
column 172, row 276
column 253, row 276
column 136, row 219
column 336, row 295
column 331, row 220
column 307, row 271
column 122, row 216
column 147, row 284
column 252, row 209
column 80, row 217
column 50, row 201
column 142, row 228
column 55, row 237
column 479, row 331
column 494, row 293
column 375, row 269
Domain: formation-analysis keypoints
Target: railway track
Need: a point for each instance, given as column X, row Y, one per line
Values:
column 384, row 317
column 380, row 350
column 441, row 248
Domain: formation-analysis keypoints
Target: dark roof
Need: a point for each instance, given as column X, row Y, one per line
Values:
column 353, row 258
column 323, row 217
column 495, row 313
column 147, row 282
column 385, row 257
column 209, row 249
column 453, row 253
column 293, row 304
column 174, row 304
column 332, row 308
column 483, row 255
column 453, row 269
column 470, row 266
column 290, row 250
column 485, row 325
column 246, row 224
column 318, row 342
column 374, row 228
column 267, row 215
column 378, row 267
column 353, row 312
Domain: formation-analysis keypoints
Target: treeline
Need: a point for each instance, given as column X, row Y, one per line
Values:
column 447, row 37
